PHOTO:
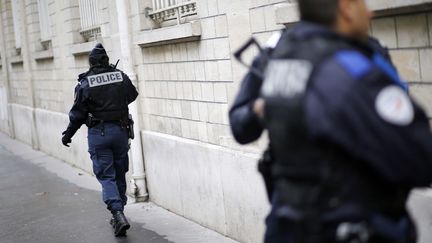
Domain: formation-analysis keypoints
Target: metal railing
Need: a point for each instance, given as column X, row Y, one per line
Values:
column 44, row 21
column 89, row 15
column 164, row 10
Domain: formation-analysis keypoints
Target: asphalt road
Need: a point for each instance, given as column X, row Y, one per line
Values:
column 37, row 206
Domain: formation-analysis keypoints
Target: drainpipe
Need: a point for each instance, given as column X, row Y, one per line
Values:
column 138, row 183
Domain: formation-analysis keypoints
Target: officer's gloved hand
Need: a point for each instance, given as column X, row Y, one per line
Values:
column 67, row 138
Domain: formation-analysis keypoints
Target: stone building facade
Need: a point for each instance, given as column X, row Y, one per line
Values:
column 179, row 54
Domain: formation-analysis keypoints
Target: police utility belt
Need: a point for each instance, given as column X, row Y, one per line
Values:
column 97, row 118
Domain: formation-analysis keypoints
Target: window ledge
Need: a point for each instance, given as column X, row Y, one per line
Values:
column 82, row 48
column 288, row 13
column 396, row 7
column 16, row 59
column 168, row 35
column 41, row 55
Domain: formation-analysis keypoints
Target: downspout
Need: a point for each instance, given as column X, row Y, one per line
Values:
column 6, row 68
column 138, row 182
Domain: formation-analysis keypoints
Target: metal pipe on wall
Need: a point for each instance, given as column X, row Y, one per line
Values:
column 138, row 174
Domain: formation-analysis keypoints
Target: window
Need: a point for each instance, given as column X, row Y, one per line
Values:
column 44, row 21
column 165, row 10
column 90, row 24
column 16, row 15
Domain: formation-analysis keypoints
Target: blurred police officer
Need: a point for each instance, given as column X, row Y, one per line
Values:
column 348, row 142
column 101, row 102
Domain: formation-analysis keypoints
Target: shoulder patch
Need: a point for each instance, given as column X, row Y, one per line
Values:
column 354, row 63
column 394, row 106
column 104, row 79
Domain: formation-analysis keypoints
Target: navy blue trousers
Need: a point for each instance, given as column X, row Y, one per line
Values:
column 108, row 148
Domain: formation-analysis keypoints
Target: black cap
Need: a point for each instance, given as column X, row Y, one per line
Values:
column 98, row 50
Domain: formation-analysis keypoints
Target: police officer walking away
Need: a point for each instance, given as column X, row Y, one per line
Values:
column 349, row 143
column 101, row 102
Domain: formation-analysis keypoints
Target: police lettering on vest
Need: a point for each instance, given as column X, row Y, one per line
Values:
column 104, row 79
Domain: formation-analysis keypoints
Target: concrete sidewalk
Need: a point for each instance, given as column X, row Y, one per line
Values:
column 43, row 199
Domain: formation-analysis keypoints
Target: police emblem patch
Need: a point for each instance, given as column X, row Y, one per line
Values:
column 394, row 106
column 286, row 78
column 104, row 79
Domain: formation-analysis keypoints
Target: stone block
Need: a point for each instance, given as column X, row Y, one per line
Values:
column 192, row 51
column 159, row 72
column 181, row 71
column 211, row 71
column 177, row 109
column 407, row 63
column 165, row 72
column 179, row 90
column 196, row 90
column 195, row 110
column 221, row 26
column 208, row 28
column 185, row 127
column 270, row 18
column 384, row 29
column 183, row 52
column 199, row 71
column 225, row 70
column 188, row 90
column 202, row 132
column 203, row 111
column 194, row 131
column 422, row 94
column 175, row 53
column 212, row 135
column 168, row 53
column 213, row 8
column 210, row 50
column 215, row 113
column 176, row 127
column 186, row 109
column 172, row 69
column 190, row 71
column 202, row 8
column 157, row 88
column 172, row 93
column 221, row 48
column 202, row 50
column 207, row 91
column 426, row 64
column 164, row 89
column 220, row 92
column 412, row 30
column 257, row 20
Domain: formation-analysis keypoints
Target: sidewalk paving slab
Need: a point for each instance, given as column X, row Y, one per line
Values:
column 43, row 199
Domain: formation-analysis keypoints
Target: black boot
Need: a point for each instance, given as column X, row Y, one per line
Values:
column 112, row 221
column 120, row 223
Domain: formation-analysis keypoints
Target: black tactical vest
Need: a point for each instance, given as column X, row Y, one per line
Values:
column 107, row 94
column 311, row 175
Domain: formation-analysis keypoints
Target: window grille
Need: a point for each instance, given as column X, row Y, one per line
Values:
column 44, row 20
column 164, row 10
column 16, row 16
column 90, row 24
